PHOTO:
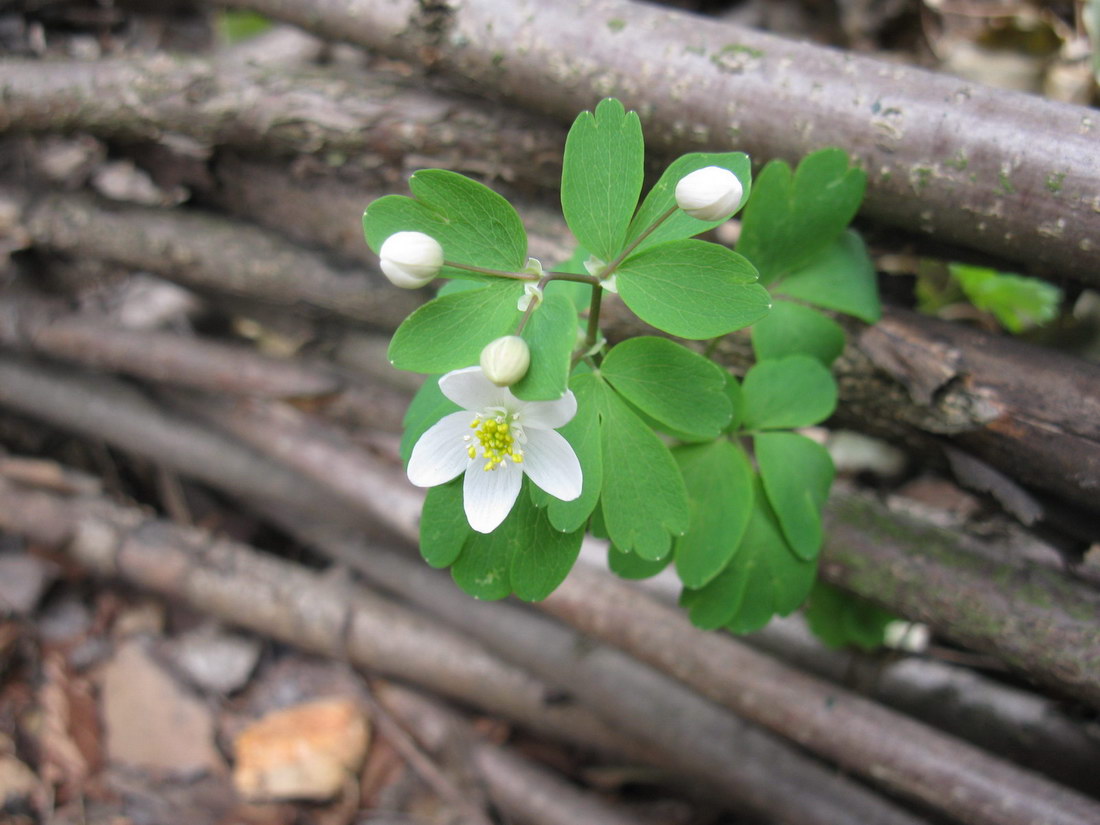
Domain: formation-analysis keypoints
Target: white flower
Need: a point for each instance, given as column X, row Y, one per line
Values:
column 709, row 194
column 495, row 440
column 506, row 360
column 410, row 259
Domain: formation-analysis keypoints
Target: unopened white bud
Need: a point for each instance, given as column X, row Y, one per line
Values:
column 709, row 194
column 505, row 360
column 411, row 259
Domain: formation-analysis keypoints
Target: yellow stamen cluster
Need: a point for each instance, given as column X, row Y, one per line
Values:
column 496, row 439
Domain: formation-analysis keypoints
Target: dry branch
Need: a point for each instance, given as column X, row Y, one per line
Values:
column 1011, row 174
column 1027, row 728
column 1030, row 617
column 158, row 356
column 361, row 120
column 740, row 763
column 211, row 254
column 241, row 586
column 876, row 743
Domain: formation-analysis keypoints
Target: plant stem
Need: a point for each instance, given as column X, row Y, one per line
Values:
column 499, row 273
column 609, row 270
column 593, row 320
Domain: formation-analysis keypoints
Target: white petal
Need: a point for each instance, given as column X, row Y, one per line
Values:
column 488, row 496
column 471, row 390
column 440, row 454
column 549, row 461
column 548, row 415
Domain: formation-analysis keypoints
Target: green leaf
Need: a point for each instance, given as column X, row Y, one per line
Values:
column 775, row 580
column 579, row 294
column 842, row 619
column 792, row 329
column 840, row 277
column 692, row 289
column 551, row 334
column 662, row 197
column 449, row 333
column 583, row 433
column 545, row 559
column 602, row 176
column 671, row 384
column 737, row 402
column 443, row 525
column 643, row 499
column 797, row 474
column 795, row 391
column 233, row 26
column 472, row 223
column 630, row 566
column 1016, row 301
column 716, row 603
column 719, row 483
column 427, row 407
column 790, row 219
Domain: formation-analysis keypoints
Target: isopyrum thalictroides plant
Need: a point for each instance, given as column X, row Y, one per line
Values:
column 532, row 430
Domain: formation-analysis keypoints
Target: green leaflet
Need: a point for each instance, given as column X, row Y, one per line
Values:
column 602, row 176
column 443, row 525
column 795, row 391
column 629, row 566
column 671, row 384
column 551, row 334
column 791, row 219
column 643, row 500
column 692, row 289
column 1018, row 302
column 763, row 579
column 841, row 619
column 797, row 474
column 525, row 555
column 662, row 197
column 792, row 329
column 719, row 483
column 840, row 277
column 449, row 333
column 472, row 223
column 583, row 433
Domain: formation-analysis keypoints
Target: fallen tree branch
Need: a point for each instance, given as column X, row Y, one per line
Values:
column 211, row 254
column 1030, row 617
column 742, row 764
column 284, row 601
column 521, row 789
column 875, row 743
column 1029, row 729
column 1011, row 174
column 159, row 356
column 367, row 120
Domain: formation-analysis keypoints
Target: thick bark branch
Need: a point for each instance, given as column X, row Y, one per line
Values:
column 1013, row 175
column 1022, row 613
column 363, row 120
column 876, row 743
column 239, row 585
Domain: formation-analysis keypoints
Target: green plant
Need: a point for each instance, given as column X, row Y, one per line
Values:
column 647, row 443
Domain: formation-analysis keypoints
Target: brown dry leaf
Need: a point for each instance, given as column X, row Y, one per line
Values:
column 303, row 752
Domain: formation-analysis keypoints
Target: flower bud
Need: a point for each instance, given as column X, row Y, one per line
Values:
column 505, row 360
column 411, row 259
column 709, row 194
